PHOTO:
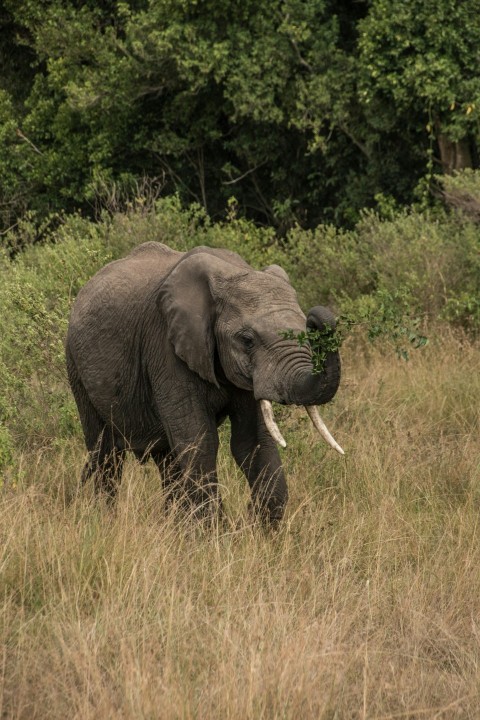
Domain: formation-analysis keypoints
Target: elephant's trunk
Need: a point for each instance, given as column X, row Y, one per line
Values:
column 311, row 389
column 317, row 389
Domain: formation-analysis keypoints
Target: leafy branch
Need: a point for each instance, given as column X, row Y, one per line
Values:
column 321, row 342
column 390, row 315
column 385, row 315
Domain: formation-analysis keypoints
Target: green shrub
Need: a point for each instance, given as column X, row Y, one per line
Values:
column 462, row 191
column 6, row 449
column 427, row 265
column 36, row 291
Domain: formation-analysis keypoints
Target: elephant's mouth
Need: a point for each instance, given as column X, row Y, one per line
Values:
column 273, row 429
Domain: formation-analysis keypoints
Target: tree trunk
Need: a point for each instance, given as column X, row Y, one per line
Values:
column 454, row 155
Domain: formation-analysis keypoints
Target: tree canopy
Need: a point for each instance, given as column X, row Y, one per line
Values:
column 304, row 111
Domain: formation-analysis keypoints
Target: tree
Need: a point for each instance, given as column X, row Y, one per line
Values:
column 304, row 110
column 221, row 99
column 421, row 57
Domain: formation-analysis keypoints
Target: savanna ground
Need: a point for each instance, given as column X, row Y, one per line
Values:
column 365, row 604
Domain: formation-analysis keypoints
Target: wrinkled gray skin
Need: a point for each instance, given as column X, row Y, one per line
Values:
column 162, row 346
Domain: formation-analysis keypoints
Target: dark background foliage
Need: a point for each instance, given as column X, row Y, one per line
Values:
column 303, row 111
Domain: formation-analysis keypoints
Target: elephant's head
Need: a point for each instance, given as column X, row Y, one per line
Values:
column 219, row 310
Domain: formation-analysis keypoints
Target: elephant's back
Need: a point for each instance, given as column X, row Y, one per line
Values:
column 123, row 286
column 146, row 262
column 105, row 329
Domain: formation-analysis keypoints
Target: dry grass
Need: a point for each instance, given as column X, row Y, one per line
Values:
column 366, row 604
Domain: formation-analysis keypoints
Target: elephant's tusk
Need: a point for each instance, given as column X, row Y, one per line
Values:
column 272, row 427
column 322, row 428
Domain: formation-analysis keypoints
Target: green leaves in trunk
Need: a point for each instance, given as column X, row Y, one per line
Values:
column 383, row 315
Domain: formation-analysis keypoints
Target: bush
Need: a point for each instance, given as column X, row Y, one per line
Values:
column 462, row 191
column 36, row 290
column 428, row 266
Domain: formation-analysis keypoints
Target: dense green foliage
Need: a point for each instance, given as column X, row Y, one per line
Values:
column 305, row 112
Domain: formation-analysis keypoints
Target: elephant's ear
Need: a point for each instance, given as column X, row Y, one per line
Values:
column 278, row 272
column 188, row 299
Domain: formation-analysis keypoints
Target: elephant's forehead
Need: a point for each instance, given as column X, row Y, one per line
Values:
column 262, row 289
column 263, row 302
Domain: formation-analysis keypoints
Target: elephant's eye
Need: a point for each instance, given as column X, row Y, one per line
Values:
column 247, row 340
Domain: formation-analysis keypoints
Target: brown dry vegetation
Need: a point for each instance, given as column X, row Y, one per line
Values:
column 365, row 604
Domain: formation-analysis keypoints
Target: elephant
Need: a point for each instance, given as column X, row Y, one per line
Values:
column 162, row 346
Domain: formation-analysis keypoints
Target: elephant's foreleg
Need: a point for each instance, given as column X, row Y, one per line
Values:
column 257, row 455
column 172, row 478
column 192, row 480
column 198, row 480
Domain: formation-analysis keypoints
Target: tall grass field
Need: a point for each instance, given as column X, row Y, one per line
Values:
column 364, row 604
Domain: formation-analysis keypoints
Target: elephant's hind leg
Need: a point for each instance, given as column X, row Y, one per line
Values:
column 105, row 459
column 105, row 464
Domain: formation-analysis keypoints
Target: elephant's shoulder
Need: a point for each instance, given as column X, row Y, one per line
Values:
column 154, row 248
column 222, row 253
